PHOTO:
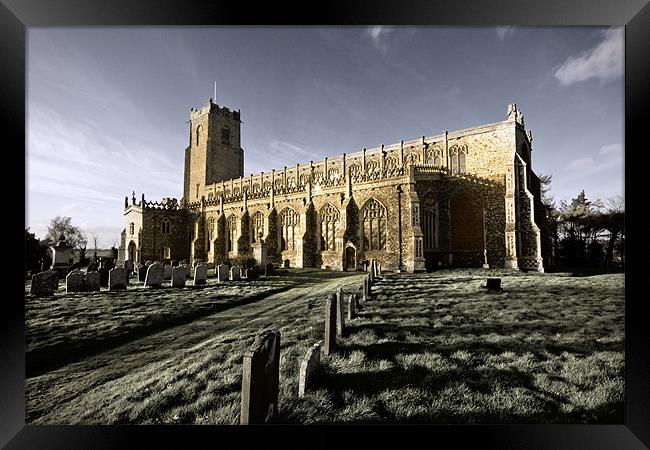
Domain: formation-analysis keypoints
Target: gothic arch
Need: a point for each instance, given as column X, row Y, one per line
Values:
column 289, row 221
column 231, row 232
column 328, row 220
column 429, row 221
column 374, row 223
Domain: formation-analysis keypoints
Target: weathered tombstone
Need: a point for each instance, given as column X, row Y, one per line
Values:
column 261, row 379
column 351, row 305
column 340, row 312
column 371, row 275
column 356, row 301
column 260, row 251
column 74, row 282
column 235, row 273
column 103, row 276
column 269, row 269
column 61, row 254
column 200, row 274
column 154, row 276
column 128, row 265
column 309, row 364
column 287, row 263
column 142, row 273
column 222, row 273
column 167, row 273
column 179, row 276
column 493, row 284
column 44, row 283
column 329, row 343
column 92, row 281
column 118, row 278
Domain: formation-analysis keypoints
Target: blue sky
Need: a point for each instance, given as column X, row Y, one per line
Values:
column 107, row 107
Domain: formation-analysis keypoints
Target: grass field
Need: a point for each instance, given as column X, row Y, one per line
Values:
column 428, row 348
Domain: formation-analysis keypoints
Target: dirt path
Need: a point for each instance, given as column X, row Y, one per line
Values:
column 49, row 392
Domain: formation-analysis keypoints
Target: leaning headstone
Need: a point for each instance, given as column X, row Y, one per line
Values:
column 235, row 273
column 44, row 283
column 351, row 305
column 179, row 276
column 142, row 273
column 117, row 278
column 261, row 379
column 200, row 274
column 167, row 272
column 329, row 343
column 222, row 273
column 154, row 276
column 74, row 282
column 340, row 312
column 309, row 364
column 493, row 284
column 92, row 281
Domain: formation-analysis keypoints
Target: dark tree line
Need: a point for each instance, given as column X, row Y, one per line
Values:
column 586, row 233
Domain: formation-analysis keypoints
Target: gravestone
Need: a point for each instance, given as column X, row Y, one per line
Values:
column 118, row 278
column 44, row 283
column 340, row 312
column 128, row 265
column 253, row 273
column 309, row 364
column 142, row 273
column 371, row 275
column 188, row 273
column 222, row 273
column 179, row 276
column 493, row 284
column 260, row 251
column 356, row 301
column 103, row 276
column 167, row 272
column 366, row 289
column 154, row 276
column 74, row 282
column 329, row 343
column 235, row 273
column 351, row 305
column 269, row 269
column 92, row 281
column 200, row 274
column 261, row 379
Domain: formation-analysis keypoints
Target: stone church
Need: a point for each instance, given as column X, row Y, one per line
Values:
column 465, row 198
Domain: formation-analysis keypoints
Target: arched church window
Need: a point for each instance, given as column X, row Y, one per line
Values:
column 232, row 233
column 225, row 135
column 164, row 226
column 428, row 221
column 131, row 228
column 453, row 159
column 329, row 225
column 289, row 229
column 373, row 224
column 199, row 130
column 209, row 234
column 257, row 226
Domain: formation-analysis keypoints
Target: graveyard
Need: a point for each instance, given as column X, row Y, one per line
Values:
column 433, row 347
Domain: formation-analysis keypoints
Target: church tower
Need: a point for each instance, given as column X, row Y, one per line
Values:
column 214, row 153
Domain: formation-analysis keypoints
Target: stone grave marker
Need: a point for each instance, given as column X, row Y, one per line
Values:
column 493, row 284
column 222, row 273
column 188, row 272
column 371, row 275
column 142, row 273
column 167, row 272
column 261, row 379
column 235, row 273
column 92, row 281
column 118, row 278
column 154, row 276
column 351, row 305
column 200, row 274
column 329, row 343
column 253, row 273
column 103, row 276
column 340, row 312
column 309, row 364
column 179, row 276
column 269, row 269
column 74, row 282
column 44, row 283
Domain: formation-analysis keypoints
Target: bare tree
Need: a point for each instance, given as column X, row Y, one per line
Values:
column 95, row 238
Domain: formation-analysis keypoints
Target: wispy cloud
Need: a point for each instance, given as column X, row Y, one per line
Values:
column 379, row 36
column 603, row 62
column 611, row 149
column 580, row 164
column 504, row 32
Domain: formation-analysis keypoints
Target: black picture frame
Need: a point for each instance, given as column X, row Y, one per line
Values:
column 17, row 15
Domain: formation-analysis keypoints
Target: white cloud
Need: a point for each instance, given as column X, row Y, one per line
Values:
column 580, row 164
column 504, row 32
column 603, row 62
column 379, row 36
column 611, row 149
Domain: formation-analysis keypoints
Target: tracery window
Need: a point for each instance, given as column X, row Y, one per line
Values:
column 209, row 233
column 232, row 233
column 428, row 221
column 329, row 225
column 457, row 157
column 373, row 217
column 164, row 226
column 257, row 226
column 289, row 228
